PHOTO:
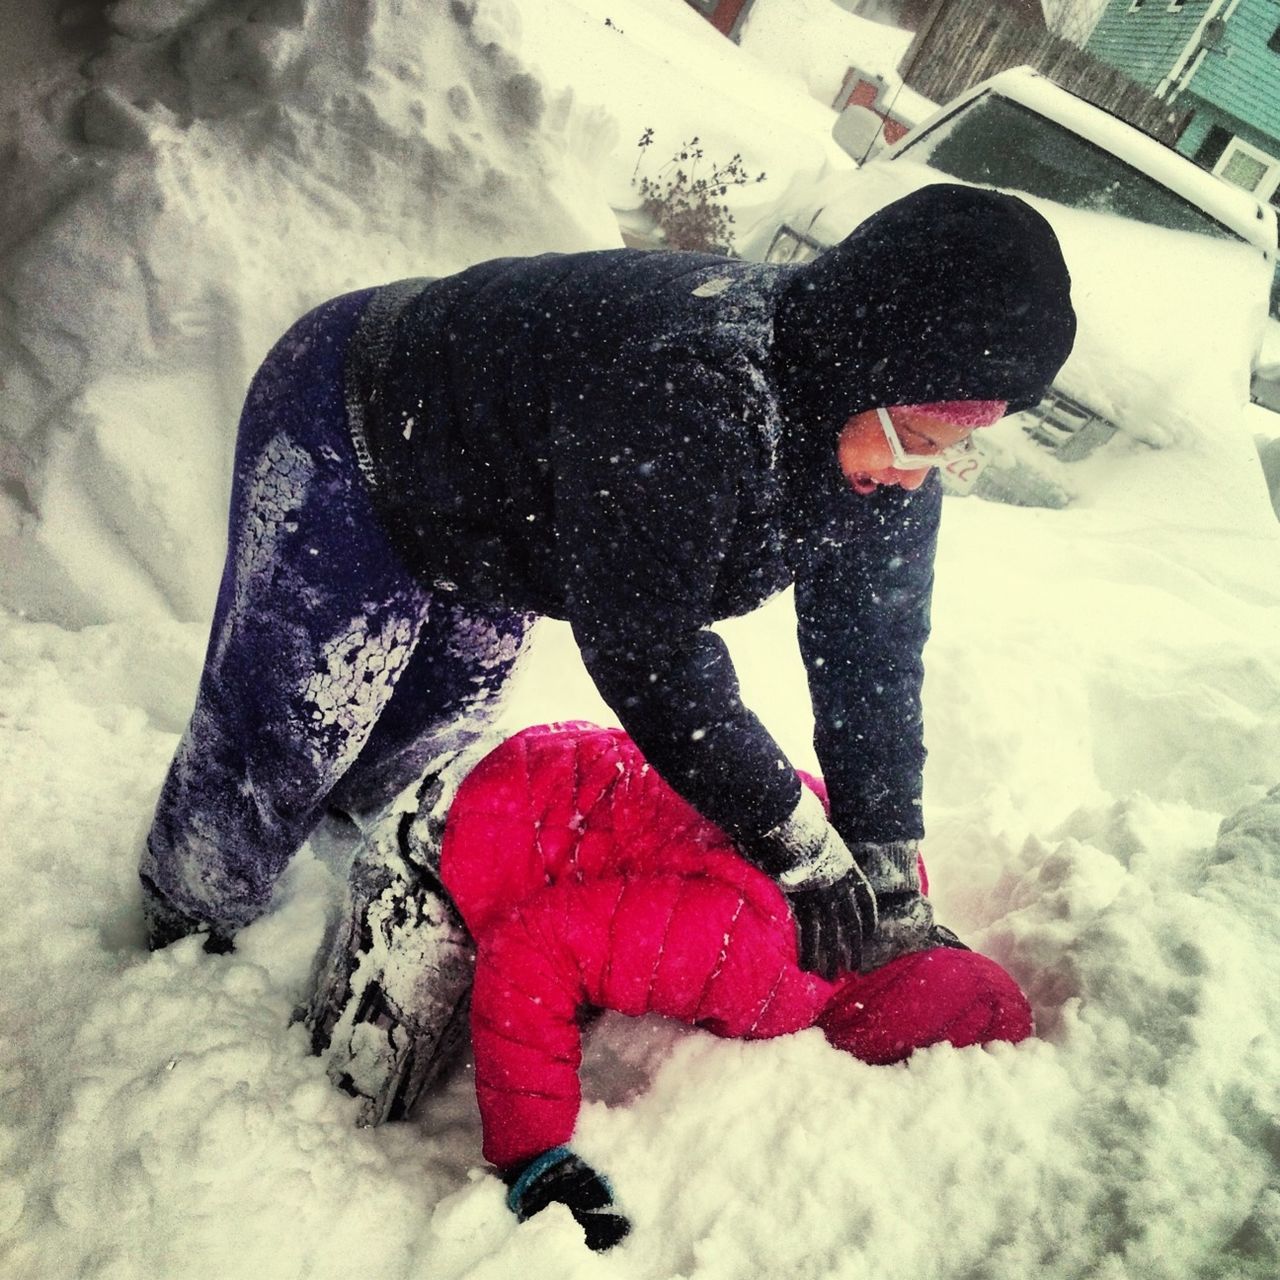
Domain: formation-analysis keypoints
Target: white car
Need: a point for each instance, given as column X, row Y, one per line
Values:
column 1171, row 266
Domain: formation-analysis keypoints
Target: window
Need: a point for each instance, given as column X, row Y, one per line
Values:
column 1243, row 170
column 1248, row 167
column 1135, row 6
column 1274, row 43
column 1176, row 6
column 999, row 143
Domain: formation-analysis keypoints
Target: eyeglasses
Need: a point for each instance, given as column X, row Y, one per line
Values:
column 943, row 456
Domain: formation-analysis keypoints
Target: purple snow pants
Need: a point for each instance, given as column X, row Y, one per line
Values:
column 333, row 677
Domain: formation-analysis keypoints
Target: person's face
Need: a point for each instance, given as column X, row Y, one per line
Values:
column 866, row 457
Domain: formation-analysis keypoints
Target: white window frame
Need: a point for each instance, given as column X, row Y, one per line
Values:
column 1267, row 187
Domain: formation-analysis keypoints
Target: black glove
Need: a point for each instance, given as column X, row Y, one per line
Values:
column 558, row 1176
column 166, row 923
column 830, row 924
column 906, row 922
column 831, row 900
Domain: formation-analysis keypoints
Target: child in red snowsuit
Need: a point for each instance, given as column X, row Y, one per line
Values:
column 612, row 892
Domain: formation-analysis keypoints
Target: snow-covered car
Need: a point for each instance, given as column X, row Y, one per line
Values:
column 1171, row 266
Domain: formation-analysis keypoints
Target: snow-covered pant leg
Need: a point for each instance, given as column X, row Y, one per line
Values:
column 315, row 624
column 445, row 705
column 388, row 1007
column 692, row 947
column 315, row 619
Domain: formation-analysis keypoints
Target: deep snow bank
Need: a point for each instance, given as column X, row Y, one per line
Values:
column 185, row 177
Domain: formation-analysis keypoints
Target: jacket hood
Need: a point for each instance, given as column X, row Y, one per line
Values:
column 951, row 293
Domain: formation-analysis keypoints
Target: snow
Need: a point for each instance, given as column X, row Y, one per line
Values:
column 160, row 189
column 1103, row 693
column 818, row 43
column 616, row 52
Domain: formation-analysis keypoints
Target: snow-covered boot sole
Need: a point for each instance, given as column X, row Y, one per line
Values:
column 389, row 1009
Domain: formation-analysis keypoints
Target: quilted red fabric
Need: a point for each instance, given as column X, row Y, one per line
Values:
column 586, row 881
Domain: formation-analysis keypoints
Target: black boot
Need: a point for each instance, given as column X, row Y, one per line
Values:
column 389, row 1009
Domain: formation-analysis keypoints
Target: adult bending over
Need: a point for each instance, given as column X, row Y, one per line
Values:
column 641, row 444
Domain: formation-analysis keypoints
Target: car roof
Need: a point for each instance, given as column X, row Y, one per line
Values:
column 1237, row 210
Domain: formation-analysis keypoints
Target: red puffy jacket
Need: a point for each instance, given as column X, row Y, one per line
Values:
column 586, row 881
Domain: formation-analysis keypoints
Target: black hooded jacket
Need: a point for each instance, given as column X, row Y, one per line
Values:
column 645, row 443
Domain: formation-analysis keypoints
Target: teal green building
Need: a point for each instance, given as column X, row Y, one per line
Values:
column 1219, row 61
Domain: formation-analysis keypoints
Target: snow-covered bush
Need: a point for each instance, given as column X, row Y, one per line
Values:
column 685, row 202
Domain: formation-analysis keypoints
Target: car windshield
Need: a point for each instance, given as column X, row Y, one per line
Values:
column 1000, row 143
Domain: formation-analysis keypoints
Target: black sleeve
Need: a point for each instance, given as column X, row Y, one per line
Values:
column 644, row 508
column 862, row 609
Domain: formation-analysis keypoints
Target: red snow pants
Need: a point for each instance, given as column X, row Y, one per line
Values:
column 587, row 882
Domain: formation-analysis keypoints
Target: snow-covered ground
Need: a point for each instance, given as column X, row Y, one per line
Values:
column 1103, row 691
